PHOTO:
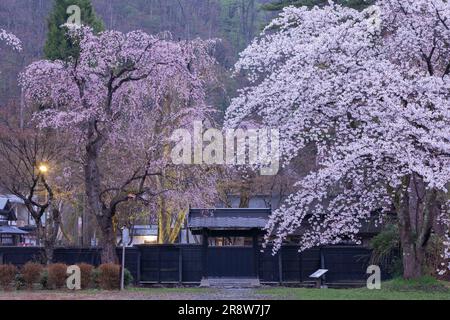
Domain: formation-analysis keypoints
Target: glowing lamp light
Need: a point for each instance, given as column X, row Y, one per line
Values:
column 43, row 168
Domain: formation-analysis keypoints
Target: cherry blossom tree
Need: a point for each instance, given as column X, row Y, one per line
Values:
column 116, row 98
column 371, row 90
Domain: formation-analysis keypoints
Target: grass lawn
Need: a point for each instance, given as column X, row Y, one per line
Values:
column 398, row 289
column 94, row 294
column 193, row 290
column 424, row 289
column 351, row 294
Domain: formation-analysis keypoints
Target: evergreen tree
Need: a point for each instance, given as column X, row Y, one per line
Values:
column 280, row 4
column 59, row 46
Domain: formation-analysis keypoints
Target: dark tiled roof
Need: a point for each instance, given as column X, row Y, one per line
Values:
column 11, row 230
column 233, row 218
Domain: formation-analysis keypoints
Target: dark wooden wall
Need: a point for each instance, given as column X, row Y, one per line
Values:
column 183, row 263
column 18, row 256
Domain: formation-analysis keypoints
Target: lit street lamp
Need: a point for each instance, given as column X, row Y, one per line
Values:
column 43, row 168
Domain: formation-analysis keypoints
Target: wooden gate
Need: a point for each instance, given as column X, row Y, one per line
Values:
column 231, row 262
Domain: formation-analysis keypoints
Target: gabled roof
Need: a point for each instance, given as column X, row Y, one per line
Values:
column 228, row 218
column 3, row 203
column 12, row 198
column 11, row 230
column 6, row 211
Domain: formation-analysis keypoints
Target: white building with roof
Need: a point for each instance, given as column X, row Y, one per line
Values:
column 17, row 228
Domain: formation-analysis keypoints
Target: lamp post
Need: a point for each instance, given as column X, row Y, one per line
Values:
column 122, row 274
column 43, row 169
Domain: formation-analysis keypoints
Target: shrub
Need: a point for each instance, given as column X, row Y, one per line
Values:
column 434, row 259
column 96, row 278
column 57, row 274
column 127, row 278
column 386, row 248
column 8, row 274
column 86, row 275
column 44, row 279
column 19, row 281
column 109, row 277
column 31, row 273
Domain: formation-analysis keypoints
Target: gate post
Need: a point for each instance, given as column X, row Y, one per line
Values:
column 180, row 265
column 280, row 266
column 322, row 262
column 300, row 267
column 205, row 254
column 256, row 252
column 159, row 264
column 138, row 266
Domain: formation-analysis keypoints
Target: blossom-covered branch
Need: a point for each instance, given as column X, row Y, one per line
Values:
column 10, row 40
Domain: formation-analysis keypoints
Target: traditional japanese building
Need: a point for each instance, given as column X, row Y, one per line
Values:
column 231, row 239
column 9, row 235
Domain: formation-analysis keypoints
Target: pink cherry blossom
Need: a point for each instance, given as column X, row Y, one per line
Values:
column 10, row 40
column 371, row 89
column 120, row 100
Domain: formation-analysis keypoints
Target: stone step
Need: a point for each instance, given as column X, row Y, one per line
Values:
column 230, row 283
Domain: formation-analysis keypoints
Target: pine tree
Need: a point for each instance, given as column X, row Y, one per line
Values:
column 356, row 4
column 58, row 45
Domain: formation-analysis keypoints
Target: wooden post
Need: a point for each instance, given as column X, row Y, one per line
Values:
column 322, row 265
column 300, row 262
column 322, row 259
column 318, row 283
column 256, row 252
column 205, row 253
column 138, row 266
column 159, row 264
column 180, row 265
column 122, row 270
column 280, row 267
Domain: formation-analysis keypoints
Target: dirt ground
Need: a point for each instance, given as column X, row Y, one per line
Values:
column 139, row 294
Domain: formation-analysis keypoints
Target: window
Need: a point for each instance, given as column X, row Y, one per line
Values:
column 6, row 240
column 230, row 241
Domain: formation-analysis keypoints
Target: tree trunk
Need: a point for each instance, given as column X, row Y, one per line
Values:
column 413, row 259
column 92, row 181
column 411, row 269
column 417, row 212
column 46, row 243
column 48, row 254
column 108, row 239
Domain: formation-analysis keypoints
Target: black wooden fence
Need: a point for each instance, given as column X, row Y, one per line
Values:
column 18, row 256
column 184, row 263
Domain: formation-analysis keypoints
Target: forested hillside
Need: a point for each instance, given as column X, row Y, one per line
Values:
column 236, row 22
